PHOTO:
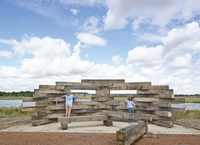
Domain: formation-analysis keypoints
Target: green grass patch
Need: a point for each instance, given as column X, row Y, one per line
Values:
column 189, row 114
column 13, row 112
column 192, row 99
column 11, row 98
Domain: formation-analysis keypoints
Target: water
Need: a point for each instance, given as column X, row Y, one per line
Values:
column 15, row 103
column 188, row 106
column 18, row 103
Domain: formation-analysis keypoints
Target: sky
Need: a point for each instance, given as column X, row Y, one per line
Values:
column 45, row 41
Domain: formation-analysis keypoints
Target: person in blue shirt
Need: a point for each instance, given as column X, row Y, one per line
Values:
column 130, row 108
column 68, row 102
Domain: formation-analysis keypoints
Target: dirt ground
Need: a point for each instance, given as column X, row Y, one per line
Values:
column 30, row 138
column 60, row 138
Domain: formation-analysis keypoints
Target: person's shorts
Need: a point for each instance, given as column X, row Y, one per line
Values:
column 68, row 105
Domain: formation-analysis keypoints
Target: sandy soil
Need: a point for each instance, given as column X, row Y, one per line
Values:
column 93, row 132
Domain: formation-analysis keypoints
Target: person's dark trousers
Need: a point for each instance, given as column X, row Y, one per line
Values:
column 130, row 110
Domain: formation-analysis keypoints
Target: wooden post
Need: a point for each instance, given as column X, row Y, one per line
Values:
column 64, row 125
column 109, row 121
column 131, row 133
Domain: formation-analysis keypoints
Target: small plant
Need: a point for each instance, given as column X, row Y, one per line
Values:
column 189, row 114
column 13, row 112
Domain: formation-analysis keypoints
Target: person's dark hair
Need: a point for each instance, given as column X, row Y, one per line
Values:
column 129, row 98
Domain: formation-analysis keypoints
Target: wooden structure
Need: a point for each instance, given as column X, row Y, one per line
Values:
column 153, row 102
column 131, row 133
column 107, row 120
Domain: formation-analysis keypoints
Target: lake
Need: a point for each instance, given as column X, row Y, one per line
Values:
column 188, row 106
column 18, row 103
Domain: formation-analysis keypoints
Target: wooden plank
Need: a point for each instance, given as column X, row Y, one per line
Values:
column 145, row 117
column 103, row 81
column 28, row 99
column 125, row 87
column 153, row 100
column 168, row 124
column 82, row 118
column 139, row 83
column 41, row 122
column 146, row 92
column 156, row 87
column 155, row 108
column 47, row 87
column 131, row 133
column 162, row 118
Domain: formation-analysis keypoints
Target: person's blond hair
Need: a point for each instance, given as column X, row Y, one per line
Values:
column 69, row 92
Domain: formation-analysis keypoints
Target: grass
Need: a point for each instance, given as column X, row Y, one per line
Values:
column 189, row 114
column 192, row 99
column 13, row 112
column 11, row 98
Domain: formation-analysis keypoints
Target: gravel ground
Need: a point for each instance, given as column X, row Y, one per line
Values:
column 41, row 135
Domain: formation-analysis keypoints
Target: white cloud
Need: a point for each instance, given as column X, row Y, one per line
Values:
column 83, row 2
column 159, row 12
column 46, row 47
column 54, row 66
column 90, row 25
column 91, row 39
column 117, row 59
column 5, row 53
column 180, row 62
column 178, row 40
column 74, row 11
column 144, row 56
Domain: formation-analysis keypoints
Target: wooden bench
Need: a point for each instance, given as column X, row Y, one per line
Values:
column 66, row 120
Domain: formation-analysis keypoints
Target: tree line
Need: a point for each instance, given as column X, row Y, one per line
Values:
column 17, row 94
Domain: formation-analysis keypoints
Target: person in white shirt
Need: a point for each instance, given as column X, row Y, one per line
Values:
column 130, row 108
column 68, row 102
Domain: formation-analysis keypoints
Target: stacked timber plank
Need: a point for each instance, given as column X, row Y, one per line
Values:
column 152, row 101
column 131, row 133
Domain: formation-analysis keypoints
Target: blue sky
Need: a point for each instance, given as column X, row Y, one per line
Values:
column 44, row 41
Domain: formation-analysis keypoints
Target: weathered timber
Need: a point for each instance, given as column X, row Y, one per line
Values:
column 103, row 81
column 41, row 122
column 124, row 115
column 163, row 118
column 131, row 133
column 28, row 99
column 155, row 108
column 47, row 87
column 155, row 87
column 169, row 100
column 82, row 118
column 167, row 91
column 125, row 87
column 108, row 122
column 64, row 125
column 168, row 124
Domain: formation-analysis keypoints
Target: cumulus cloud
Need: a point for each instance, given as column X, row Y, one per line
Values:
column 181, row 62
column 91, row 39
column 91, row 25
column 144, row 56
column 74, row 11
column 154, row 10
column 5, row 53
column 58, row 64
column 46, row 47
column 117, row 59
